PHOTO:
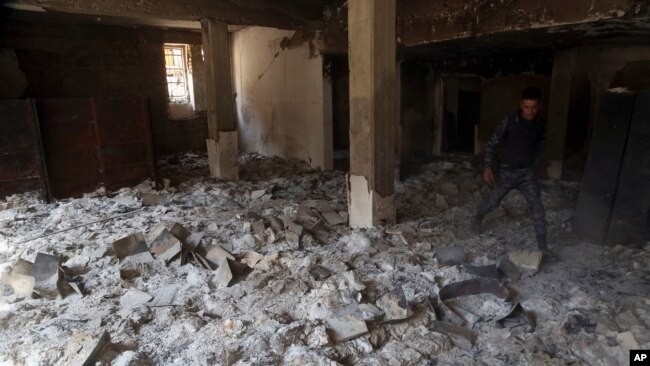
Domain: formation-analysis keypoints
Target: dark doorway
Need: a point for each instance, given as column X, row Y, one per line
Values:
column 459, row 132
column 578, row 126
column 336, row 68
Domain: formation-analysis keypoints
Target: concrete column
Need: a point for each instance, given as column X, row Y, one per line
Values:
column 220, row 101
column 371, row 186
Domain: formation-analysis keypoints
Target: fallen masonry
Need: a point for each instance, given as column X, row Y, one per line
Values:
column 266, row 271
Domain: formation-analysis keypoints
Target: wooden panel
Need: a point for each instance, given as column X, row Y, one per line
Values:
column 70, row 146
column 97, row 142
column 126, row 148
column 21, row 163
column 632, row 206
column 603, row 166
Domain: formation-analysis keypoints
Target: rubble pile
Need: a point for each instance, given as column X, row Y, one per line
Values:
column 266, row 271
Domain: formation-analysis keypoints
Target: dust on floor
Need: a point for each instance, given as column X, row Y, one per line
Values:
column 303, row 297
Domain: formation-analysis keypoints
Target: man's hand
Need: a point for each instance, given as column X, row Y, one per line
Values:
column 488, row 176
column 543, row 173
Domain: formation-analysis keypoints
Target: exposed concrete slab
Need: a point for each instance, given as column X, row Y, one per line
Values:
column 368, row 208
column 346, row 327
column 223, row 156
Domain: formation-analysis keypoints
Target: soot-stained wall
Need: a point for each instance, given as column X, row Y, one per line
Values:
column 281, row 97
column 66, row 60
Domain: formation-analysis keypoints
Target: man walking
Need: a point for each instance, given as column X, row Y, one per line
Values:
column 523, row 139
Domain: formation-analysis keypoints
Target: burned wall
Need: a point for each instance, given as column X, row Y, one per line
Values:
column 580, row 76
column 416, row 109
column 67, row 60
column 280, row 96
column 420, row 22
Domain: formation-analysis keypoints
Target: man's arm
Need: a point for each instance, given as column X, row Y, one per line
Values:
column 542, row 158
column 541, row 155
column 493, row 142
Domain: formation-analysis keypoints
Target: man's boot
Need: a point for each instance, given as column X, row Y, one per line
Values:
column 475, row 225
column 542, row 245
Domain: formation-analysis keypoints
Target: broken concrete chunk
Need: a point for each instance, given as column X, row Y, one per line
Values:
column 84, row 350
column 305, row 215
column 318, row 337
column 270, row 235
column 258, row 227
column 333, row 218
column 320, row 273
column 22, row 267
column 180, row 232
column 22, row 285
column 170, row 253
column 64, row 288
column 258, row 194
column 251, row 258
column 370, row 312
column 351, row 278
column 166, row 240
column 347, row 327
column 150, row 199
column 192, row 242
column 344, row 215
column 324, row 206
column 202, row 261
column 129, row 245
column 46, row 275
column 223, row 275
column 137, row 259
column 394, row 305
column 134, row 297
column 292, row 237
column 276, row 224
column 528, row 261
column 451, row 255
column 165, row 296
column 215, row 252
column 294, row 228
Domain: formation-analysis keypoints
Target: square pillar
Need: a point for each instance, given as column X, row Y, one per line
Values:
column 372, row 56
column 220, row 101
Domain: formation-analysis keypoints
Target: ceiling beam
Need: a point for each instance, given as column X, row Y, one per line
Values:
column 269, row 13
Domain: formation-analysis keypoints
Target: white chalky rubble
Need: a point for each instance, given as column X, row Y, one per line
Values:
column 285, row 281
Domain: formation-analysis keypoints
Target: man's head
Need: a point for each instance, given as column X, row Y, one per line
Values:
column 530, row 103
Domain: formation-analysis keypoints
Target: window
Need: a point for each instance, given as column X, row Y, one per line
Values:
column 176, row 66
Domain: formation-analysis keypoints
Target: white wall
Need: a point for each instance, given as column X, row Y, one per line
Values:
column 280, row 104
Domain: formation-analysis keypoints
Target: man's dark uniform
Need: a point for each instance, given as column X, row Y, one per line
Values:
column 522, row 143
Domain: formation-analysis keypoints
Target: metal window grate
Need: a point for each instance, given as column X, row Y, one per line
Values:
column 176, row 68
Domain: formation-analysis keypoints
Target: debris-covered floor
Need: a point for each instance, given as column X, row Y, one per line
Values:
column 302, row 287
